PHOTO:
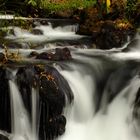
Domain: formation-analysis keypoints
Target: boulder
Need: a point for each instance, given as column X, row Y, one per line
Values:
column 37, row 32
column 2, row 57
column 33, row 54
column 5, row 115
column 53, row 90
column 57, row 55
column 3, row 137
column 112, row 34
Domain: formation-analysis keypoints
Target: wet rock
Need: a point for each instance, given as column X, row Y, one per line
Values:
column 3, row 137
column 44, row 22
column 5, row 115
column 53, row 90
column 59, row 54
column 45, row 55
column 112, row 34
column 12, row 45
column 1, row 45
column 37, row 32
column 57, row 125
column 33, row 54
column 25, row 78
column 2, row 57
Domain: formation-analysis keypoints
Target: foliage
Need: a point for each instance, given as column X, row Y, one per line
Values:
column 108, row 3
column 131, row 8
column 65, row 4
column 31, row 2
column 21, row 6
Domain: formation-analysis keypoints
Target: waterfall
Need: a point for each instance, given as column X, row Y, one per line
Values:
column 35, row 116
column 91, row 95
column 115, row 124
column 21, row 125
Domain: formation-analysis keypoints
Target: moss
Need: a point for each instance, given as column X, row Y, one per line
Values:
column 65, row 4
column 21, row 6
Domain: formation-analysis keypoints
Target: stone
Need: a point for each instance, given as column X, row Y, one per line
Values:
column 5, row 116
column 2, row 57
column 3, row 137
column 37, row 32
column 33, row 54
column 52, row 89
column 112, row 34
column 58, row 55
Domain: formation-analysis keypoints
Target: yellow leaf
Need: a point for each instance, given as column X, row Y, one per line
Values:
column 108, row 3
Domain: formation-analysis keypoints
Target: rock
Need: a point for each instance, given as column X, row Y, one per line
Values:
column 5, row 109
column 112, row 34
column 53, row 89
column 37, row 32
column 25, row 79
column 3, row 137
column 33, row 54
column 59, row 54
column 44, row 22
column 45, row 55
column 1, row 45
column 58, row 123
column 13, row 45
column 2, row 57
column 52, row 95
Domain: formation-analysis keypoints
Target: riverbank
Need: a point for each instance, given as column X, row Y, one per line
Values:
column 107, row 24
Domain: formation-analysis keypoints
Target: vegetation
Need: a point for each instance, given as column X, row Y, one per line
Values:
column 8, row 6
column 60, row 4
column 33, row 7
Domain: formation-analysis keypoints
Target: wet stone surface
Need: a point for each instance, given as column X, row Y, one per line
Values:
column 52, row 98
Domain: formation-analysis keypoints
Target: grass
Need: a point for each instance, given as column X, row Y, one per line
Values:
column 65, row 4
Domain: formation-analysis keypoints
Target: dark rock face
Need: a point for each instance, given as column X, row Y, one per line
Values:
column 52, row 101
column 109, row 36
column 53, row 90
column 5, row 115
column 33, row 54
column 59, row 54
column 37, row 32
column 3, row 137
column 2, row 57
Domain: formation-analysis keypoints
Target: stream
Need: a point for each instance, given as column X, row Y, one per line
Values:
column 55, row 86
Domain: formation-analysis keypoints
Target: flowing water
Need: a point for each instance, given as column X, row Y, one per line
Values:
column 104, row 84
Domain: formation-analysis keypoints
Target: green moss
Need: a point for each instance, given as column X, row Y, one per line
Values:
column 69, row 4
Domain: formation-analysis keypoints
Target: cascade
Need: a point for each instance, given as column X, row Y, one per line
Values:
column 20, row 120
column 63, row 89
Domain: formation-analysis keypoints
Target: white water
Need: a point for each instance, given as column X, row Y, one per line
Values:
column 115, row 124
column 21, row 126
column 49, row 34
column 35, row 116
column 112, row 122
